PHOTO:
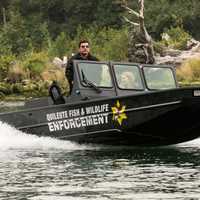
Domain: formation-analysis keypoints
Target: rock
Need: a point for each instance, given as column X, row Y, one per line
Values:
column 60, row 62
column 57, row 62
column 172, row 52
column 191, row 43
column 196, row 48
column 176, row 57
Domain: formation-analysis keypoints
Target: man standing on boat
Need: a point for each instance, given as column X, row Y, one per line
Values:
column 83, row 54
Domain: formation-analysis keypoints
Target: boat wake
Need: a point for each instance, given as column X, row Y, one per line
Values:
column 192, row 143
column 11, row 138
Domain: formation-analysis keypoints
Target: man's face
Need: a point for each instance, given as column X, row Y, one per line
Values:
column 84, row 49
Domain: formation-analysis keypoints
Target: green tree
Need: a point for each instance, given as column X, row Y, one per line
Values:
column 60, row 45
column 160, row 15
column 15, row 35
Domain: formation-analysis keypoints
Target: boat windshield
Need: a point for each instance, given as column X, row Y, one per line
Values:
column 128, row 77
column 159, row 78
column 95, row 73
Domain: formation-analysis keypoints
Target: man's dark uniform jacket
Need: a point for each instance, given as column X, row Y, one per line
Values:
column 69, row 71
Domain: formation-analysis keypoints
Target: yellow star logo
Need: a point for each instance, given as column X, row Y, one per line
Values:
column 119, row 113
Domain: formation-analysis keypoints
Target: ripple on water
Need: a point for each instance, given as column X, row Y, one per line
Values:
column 36, row 168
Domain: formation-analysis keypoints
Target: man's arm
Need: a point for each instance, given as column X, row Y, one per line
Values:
column 69, row 70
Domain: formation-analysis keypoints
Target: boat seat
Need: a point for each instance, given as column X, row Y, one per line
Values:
column 55, row 94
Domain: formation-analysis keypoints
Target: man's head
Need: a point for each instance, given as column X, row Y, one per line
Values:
column 84, row 48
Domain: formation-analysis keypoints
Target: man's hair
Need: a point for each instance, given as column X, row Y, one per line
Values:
column 83, row 41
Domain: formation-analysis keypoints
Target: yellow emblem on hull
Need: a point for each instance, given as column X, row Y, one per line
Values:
column 119, row 113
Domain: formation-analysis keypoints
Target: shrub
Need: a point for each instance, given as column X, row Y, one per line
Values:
column 58, row 74
column 16, row 73
column 115, row 46
column 5, row 47
column 59, row 46
column 5, row 63
column 177, row 38
column 35, row 63
column 2, row 95
column 17, row 88
column 189, row 71
column 39, row 35
column 5, row 88
column 159, row 47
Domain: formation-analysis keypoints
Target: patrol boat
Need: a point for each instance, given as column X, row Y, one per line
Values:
column 114, row 103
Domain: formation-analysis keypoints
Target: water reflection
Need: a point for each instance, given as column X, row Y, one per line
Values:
column 163, row 155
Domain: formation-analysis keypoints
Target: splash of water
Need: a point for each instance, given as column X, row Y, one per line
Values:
column 192, row 143
column 12, row 138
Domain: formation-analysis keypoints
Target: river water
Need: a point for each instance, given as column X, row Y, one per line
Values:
column 33, row 168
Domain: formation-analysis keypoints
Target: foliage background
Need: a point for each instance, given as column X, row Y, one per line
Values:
column 32, row 33
column 28, row 25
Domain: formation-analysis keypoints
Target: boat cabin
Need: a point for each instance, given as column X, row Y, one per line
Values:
column 103, row 79
column 94, row 80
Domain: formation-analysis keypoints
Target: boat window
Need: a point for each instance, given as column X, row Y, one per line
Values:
column 96, row 73
column 159, row 78
column 128, row 77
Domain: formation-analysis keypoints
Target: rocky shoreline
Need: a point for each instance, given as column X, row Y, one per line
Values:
column 176, row 57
